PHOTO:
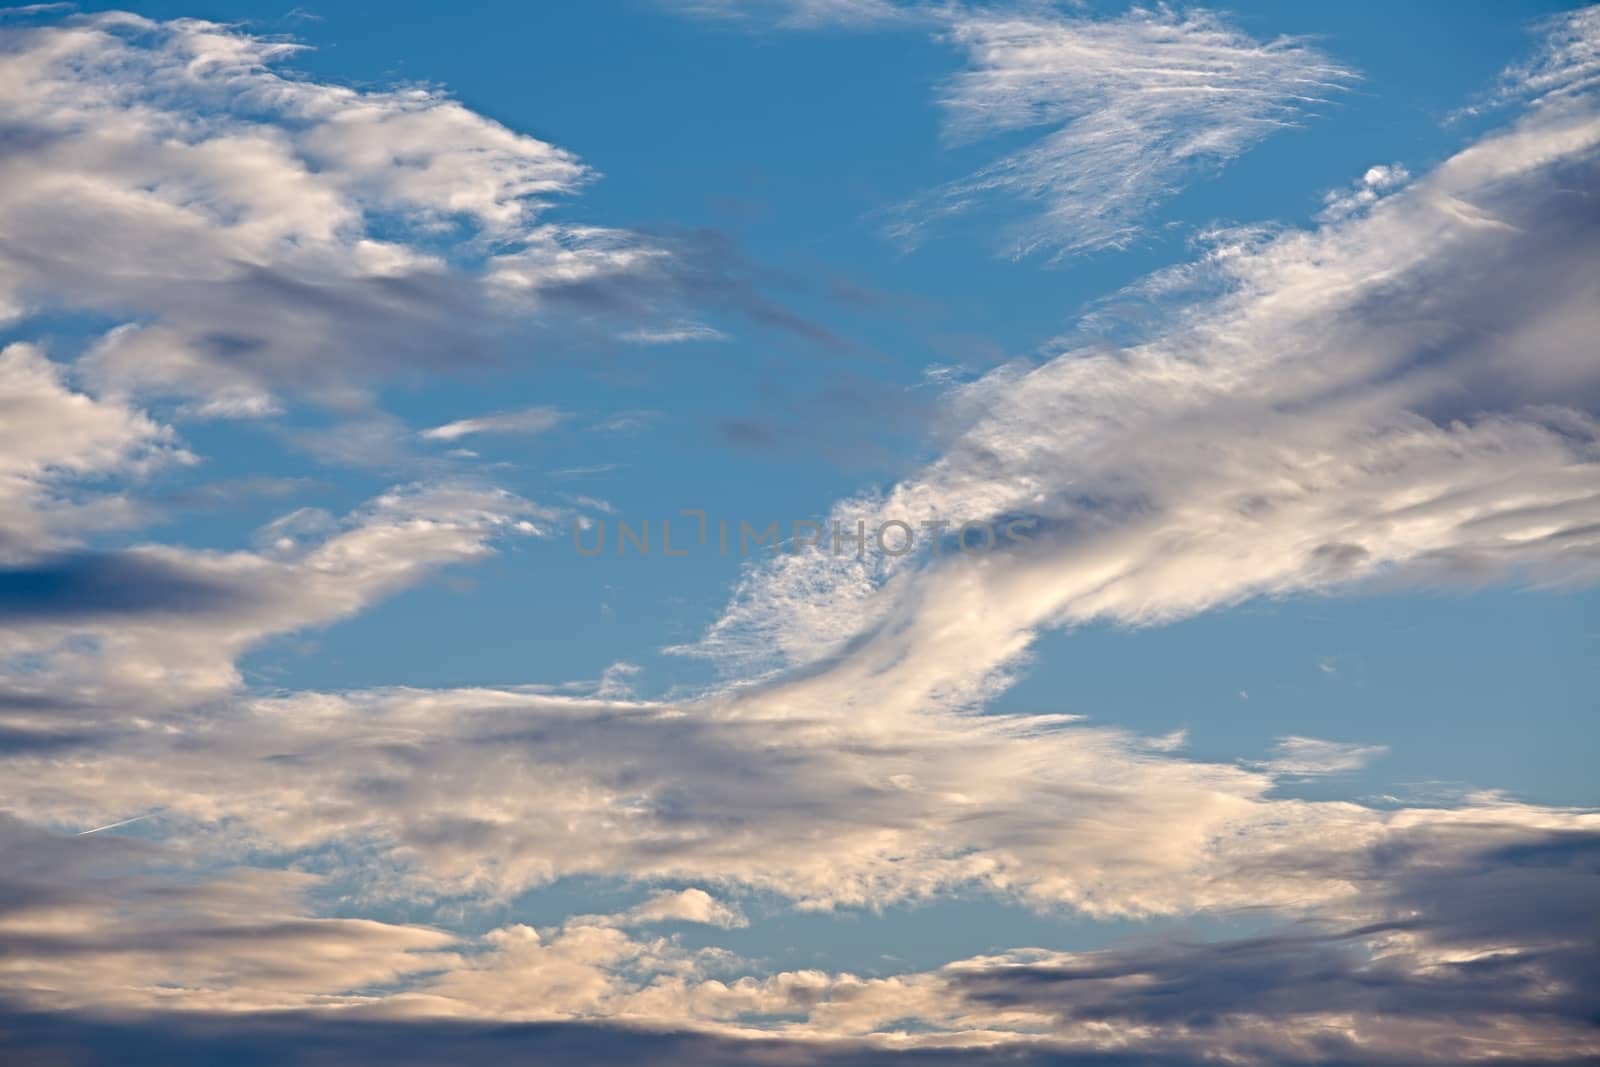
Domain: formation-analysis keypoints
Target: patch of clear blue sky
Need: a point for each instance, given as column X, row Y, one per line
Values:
column 790, row 144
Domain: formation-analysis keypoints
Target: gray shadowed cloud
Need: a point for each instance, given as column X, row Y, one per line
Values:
column 153, row 628
column 307, row 238
column 123, row 909
column 1420, row 394
column 1436, row 970
column 87, row 585
column 1466, row 922
column 44, row 1039
column 699, row 268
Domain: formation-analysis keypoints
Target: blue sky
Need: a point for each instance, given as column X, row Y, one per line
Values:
column 327, row 335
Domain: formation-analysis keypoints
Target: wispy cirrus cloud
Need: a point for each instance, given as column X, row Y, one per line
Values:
column 1124, row 111
column 1420, row 407
column 1313, row 755
column 1128, row 111
column 801, row 14
column 676, row 333
column 1566, row 64
column 528, row 421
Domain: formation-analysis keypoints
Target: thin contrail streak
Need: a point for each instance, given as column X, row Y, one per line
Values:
column 114, row 825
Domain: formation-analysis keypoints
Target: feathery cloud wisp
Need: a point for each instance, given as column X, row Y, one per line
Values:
column 527, row 421
column 1130, row 110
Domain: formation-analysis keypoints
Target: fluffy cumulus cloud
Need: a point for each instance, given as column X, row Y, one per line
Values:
column 689, row 906
column 53, row 440
column 195, row 868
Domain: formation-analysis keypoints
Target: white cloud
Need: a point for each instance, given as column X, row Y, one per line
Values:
column 111, row 923
column 1567, row 64
column 676, row 333
column 1310, row 755
column 803, row 14
column 122, row 653
column 482, row 794
column 51, row 438
column 1374, row 183
column 1425, row 964
column 1402, row 395
column 1130, row 110
column 687, row 906
column 527, row 421
column 1127, row 110
column 261, row 233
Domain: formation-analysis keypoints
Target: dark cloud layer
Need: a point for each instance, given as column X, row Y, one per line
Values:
column 41, row 1039
column 82, row 585
column 1474, row 923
